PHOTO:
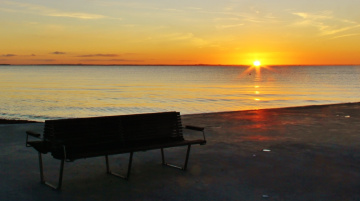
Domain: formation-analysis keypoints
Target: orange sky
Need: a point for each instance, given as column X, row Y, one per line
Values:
column 228, row 32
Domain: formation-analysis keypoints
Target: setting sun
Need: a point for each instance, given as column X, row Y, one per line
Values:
column 257, row 63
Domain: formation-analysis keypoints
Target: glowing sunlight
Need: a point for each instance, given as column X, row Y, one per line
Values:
column 257, row 63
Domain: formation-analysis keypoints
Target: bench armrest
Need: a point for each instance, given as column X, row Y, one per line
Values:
column 33, row 134
column 196, row 128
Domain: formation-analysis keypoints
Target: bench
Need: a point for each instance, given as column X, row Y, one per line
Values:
column 77, row 138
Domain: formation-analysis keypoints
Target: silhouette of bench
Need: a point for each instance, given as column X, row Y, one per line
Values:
column 72, row 139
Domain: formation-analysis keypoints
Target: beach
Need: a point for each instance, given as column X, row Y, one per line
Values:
column 295, row 153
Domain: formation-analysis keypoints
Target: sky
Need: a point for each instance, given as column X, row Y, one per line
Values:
column 227, row 32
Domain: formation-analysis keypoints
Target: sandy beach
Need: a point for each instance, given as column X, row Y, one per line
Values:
column 299, row 153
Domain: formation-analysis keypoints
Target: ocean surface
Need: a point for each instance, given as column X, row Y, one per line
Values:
column 51, row 92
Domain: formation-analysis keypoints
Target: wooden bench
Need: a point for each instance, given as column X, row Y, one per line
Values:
column 71, row 139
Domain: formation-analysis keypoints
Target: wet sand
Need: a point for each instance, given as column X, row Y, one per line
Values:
column 301, row 153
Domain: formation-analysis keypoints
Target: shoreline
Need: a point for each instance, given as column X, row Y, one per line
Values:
column 23, row 121
column 276, row 108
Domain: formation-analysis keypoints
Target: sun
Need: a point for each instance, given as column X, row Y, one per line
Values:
column 257, row 63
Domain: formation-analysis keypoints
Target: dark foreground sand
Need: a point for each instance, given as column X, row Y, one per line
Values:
column 314, row 155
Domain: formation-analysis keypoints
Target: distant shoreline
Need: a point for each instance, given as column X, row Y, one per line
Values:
column 239, row 65
column 15, row 121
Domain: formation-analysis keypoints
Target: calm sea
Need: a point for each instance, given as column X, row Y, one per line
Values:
column 48, row 92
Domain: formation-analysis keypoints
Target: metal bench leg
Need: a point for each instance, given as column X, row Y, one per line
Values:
column 118, row 175
column 42, row 178
column 175, row 166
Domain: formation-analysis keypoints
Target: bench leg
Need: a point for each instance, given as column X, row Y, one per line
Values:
column 175, row 166
column 118, row 175
column 42, row 178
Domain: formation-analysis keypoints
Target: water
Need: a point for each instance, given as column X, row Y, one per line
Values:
column 49, row 92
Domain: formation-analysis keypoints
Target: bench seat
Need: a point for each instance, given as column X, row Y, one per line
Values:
column 80, row 152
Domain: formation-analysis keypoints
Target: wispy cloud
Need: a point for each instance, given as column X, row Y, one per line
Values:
column 8, row 55
column 345, row 35
column 229, row 26
column 327, row 24
column 99, row 55
column 178, row 36
column 46, row 11
column 232, row 19
column 86, row 16
column 228, row 22
column 13, row 55
column 57, row 52
column 44, row 60
column 111, row 60
column 127, row 60
column 181, row 37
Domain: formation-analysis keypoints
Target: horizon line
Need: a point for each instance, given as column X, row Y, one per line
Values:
column 240, row 65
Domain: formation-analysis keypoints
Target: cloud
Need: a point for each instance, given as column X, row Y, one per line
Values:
column 346, row 35
column 327, row 24
column 182, row 37
column 57, row 52
column 8, row 55
column 127, row 60
column 313, row 17
column 230, row 19
column 46, row 11
column 229, row 26
column 99, row 55
column 118, row 60
column 85, row 16
column 47, row 60
column 187, row 61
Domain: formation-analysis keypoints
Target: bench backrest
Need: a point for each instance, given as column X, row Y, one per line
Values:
column 123, row 129
column 142, row 128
